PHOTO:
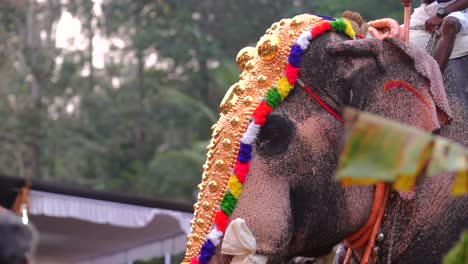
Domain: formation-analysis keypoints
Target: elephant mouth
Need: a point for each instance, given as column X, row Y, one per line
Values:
column 297, row 247
column 240, row 243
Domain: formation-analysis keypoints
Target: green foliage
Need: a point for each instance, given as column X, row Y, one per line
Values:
column 369, row 9
column 459, row 253
column 139, row 124
column 175, row 173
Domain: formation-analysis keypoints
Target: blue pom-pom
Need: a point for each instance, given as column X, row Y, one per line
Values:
column 326, row 17
column 206, row 252
column 245, row 153
column 295, row 56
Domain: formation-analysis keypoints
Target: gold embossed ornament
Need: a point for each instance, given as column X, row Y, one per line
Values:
column 261, row 68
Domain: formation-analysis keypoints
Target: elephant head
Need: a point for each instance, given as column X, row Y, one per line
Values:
column 290, row 201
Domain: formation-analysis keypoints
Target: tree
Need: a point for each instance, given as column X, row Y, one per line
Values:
column 28, row 40
column 139, row 122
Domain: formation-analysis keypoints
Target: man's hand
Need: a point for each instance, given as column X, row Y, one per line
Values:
column 433, row 23
column 386, row 27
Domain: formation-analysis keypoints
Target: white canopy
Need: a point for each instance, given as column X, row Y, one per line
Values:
column 89, row 231
column 100, row 212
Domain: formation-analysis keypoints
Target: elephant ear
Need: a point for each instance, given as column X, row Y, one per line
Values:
column 408, row 83
column 428, row 68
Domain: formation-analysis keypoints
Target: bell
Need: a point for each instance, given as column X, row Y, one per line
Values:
column 376, row 250
column 380, row 237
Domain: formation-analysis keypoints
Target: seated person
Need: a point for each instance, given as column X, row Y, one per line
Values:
column 451, row 16
column 17, row 240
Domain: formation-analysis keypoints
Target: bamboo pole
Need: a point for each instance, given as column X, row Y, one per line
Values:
column 407, row 5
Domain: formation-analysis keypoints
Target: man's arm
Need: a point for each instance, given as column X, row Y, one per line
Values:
column 433, row 22
column 458, row 5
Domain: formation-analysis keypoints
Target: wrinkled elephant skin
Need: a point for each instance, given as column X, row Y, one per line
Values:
column 290, row 200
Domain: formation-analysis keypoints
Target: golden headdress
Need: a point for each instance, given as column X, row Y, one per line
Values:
column 262, row 68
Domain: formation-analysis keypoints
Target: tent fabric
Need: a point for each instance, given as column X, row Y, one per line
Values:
column 90, row 231
column 160, row 248
column 100, row 212
column 70, row 240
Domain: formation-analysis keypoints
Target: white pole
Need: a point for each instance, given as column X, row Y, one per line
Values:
column 167, row 258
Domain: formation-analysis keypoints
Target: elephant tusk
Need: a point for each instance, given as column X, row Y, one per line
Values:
column 240, row 242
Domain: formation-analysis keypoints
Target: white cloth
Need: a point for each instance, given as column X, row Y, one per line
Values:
column 240, row 242
column 101, row 212
column 420, row 38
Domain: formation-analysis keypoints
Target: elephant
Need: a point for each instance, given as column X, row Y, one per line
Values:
column 291, row 201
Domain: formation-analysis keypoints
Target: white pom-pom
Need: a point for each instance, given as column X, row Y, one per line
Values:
column 215, row 236
column 251, row 134
column 304, row 39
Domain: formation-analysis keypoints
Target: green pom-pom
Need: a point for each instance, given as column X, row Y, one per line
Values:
column 338, row 25
column 228, row 203
column 273, row 98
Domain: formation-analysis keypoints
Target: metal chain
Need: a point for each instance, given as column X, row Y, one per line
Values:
column 432, row 43
column 392, row 232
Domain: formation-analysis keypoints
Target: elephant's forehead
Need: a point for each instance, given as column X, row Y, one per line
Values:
column 298, row 107
column 314, row 128
column 317, row 124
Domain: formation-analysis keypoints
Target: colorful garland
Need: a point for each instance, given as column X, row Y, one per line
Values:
column 273, row 97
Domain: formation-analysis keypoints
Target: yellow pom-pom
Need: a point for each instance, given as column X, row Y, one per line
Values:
column 349, row 29
column 234, row 186
column 283, row 87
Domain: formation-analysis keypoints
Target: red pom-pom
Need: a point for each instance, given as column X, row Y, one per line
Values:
column 320, row 29
column 291, row 74
column 241, row 171
column 221, row 221
column 360, row 36
column 260, row 114
column 194, row 260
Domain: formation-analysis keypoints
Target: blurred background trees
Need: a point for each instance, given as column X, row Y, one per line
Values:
column 121, row 94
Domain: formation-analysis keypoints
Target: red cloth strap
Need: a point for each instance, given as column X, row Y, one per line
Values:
column 320, row 102
column 367, row 234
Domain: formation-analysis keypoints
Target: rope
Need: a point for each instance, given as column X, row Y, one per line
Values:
column 367, row 234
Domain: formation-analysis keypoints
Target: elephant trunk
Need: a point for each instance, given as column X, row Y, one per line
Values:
column 263, row 210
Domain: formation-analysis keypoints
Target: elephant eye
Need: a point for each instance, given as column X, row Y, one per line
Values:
column 275, row 136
